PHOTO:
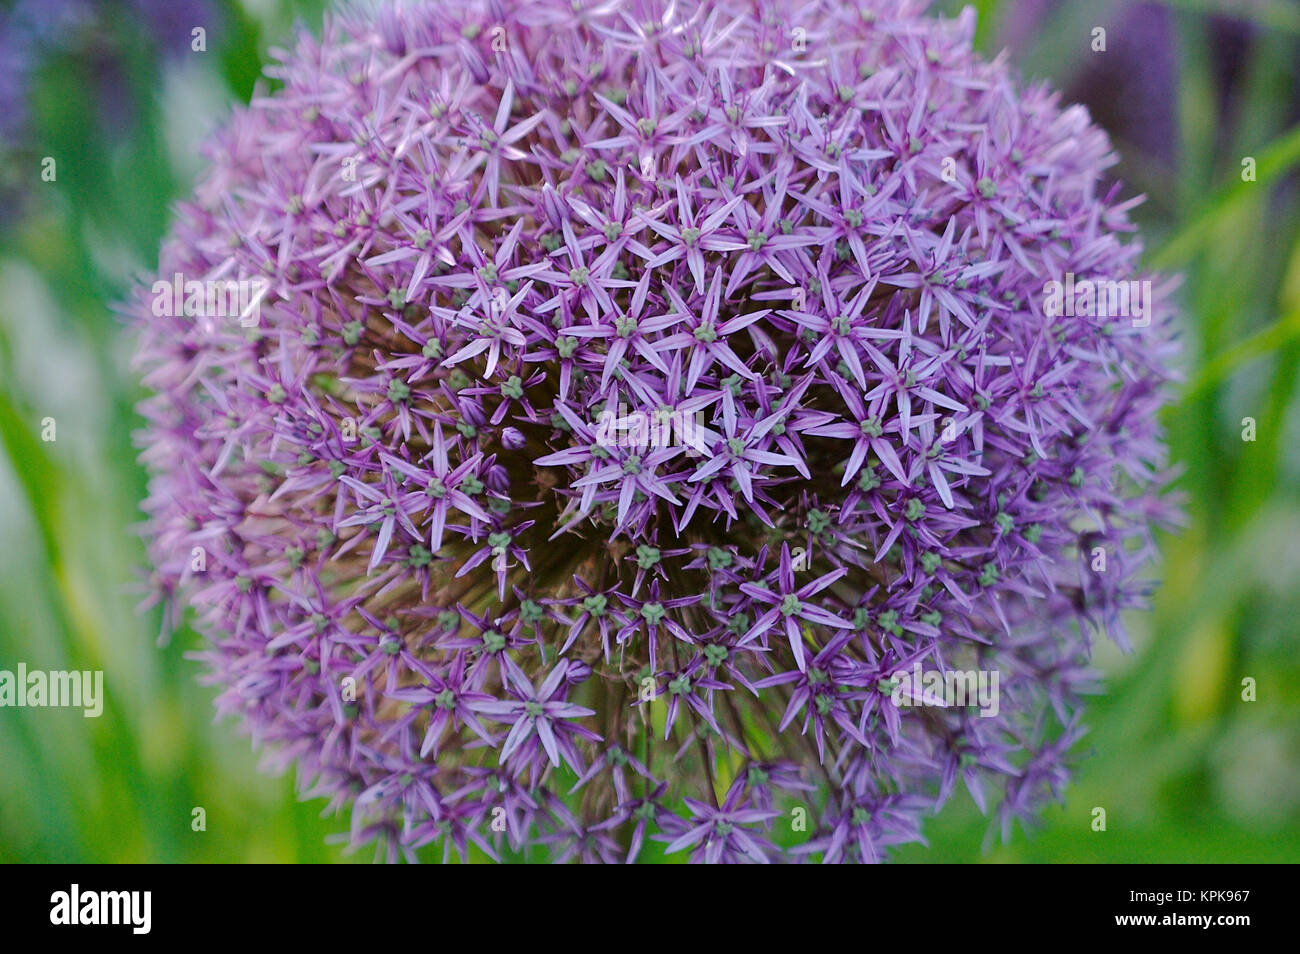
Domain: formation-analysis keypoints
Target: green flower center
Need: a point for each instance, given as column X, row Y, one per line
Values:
column 513, row 388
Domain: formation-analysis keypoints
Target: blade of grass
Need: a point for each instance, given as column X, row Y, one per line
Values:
column 1275, row 160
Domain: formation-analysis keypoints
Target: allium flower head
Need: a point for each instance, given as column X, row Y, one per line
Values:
column 640, row 393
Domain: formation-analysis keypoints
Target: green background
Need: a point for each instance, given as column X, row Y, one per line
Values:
column 1185, row 769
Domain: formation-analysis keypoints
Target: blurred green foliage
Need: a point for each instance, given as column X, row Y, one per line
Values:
column 1184, row 768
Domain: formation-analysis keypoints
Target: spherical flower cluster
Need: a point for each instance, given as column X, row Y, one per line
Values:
column 637, row 396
